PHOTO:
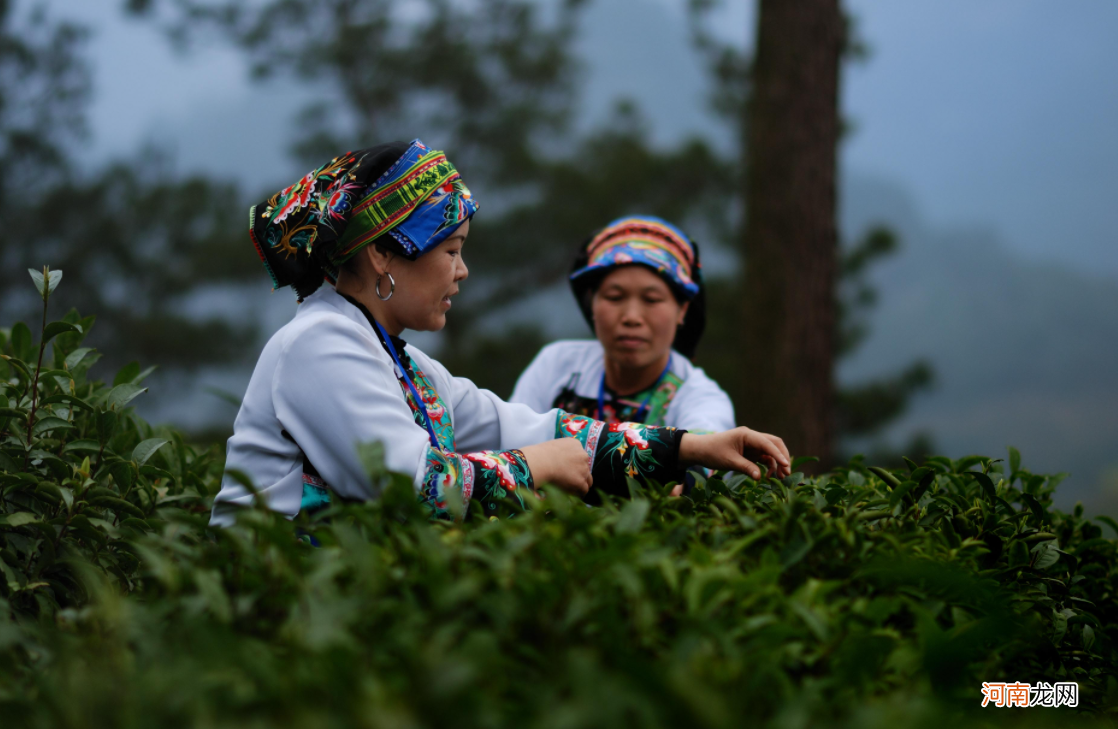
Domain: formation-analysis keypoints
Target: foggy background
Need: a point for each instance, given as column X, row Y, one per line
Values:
column 981, row 133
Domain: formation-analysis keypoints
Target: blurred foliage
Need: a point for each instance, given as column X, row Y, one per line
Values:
column 492, row 80
column 863, row 597
column 139, row 242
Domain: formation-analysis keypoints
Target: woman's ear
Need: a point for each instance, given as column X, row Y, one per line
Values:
column 682, row 313
column 378, row 258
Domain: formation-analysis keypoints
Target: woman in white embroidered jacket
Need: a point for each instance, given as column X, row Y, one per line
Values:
column 638, row 282
column 385, row 228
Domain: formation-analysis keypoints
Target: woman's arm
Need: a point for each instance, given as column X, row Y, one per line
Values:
column 333, row 390
column 620, row 451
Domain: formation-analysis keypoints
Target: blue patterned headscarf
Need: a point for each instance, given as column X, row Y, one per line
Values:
column 646, row 241
column 407, row 197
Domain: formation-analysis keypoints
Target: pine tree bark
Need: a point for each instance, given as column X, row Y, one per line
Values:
column 788, row 297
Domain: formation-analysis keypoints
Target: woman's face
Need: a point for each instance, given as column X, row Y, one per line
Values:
column 635, row 316
column 424, row 286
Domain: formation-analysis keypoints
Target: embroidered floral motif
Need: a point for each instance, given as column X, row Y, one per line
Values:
column 488, row 477
column 436, row 408
column 501, row 475
column 637, row 450
column 446, row 472
column 633, row 444
column 585, row 430
column 292, row 229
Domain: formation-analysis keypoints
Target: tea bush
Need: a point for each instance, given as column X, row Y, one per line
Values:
column 860, row 598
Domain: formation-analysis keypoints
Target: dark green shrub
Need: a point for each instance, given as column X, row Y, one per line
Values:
column 863, row 597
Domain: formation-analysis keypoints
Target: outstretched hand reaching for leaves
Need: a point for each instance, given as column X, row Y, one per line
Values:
column 739, row 450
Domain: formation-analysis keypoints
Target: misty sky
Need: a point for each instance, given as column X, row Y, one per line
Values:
column 997, row 114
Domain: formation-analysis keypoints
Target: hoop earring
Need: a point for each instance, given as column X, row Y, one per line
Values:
column 391, row 291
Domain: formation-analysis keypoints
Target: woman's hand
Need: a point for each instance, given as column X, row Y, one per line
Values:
column 562, row 462
column 732, row 450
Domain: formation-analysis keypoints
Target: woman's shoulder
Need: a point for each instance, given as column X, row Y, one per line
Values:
column 324, row 323
column 572, row 354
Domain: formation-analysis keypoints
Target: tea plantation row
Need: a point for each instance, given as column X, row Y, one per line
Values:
column 859, row 598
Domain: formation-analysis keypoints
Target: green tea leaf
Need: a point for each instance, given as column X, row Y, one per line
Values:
column 121, row 395
column 18, row 519
column 1047, row 554
column 986, row 484
column 1109, row 522
column 71, row 400
column 886, row 476
column 1088, row 637
column 801, row 460
column 22, row 347
column 13, row 413
column 53, row 279
column 49, row 423
column 82, row 446
column 632, row 516
column 127, row 373
column 146, row 449
column 74, row 358
column 1035, row 507
column 58, row 327
column 40, row 282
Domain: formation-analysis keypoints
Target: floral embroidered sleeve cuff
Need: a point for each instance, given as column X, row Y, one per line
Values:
column 619, row 451
column 486, row 478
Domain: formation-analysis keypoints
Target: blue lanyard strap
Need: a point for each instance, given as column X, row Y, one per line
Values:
column 643, row 409
column 404, row 376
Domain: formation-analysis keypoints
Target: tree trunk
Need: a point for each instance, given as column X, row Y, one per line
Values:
column 788, row 298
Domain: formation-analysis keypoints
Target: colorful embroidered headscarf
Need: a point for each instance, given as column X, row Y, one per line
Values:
column 656, row 244
column 647, row 241
column 405, row 196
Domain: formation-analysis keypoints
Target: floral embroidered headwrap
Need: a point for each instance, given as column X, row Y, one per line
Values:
column 656, row 244
column 406, row 197
column 647, row 241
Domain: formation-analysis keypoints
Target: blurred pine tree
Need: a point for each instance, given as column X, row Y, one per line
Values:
column 135, row 242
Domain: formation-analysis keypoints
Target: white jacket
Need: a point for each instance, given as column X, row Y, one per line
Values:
column 325, row 384
column 698, row 405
